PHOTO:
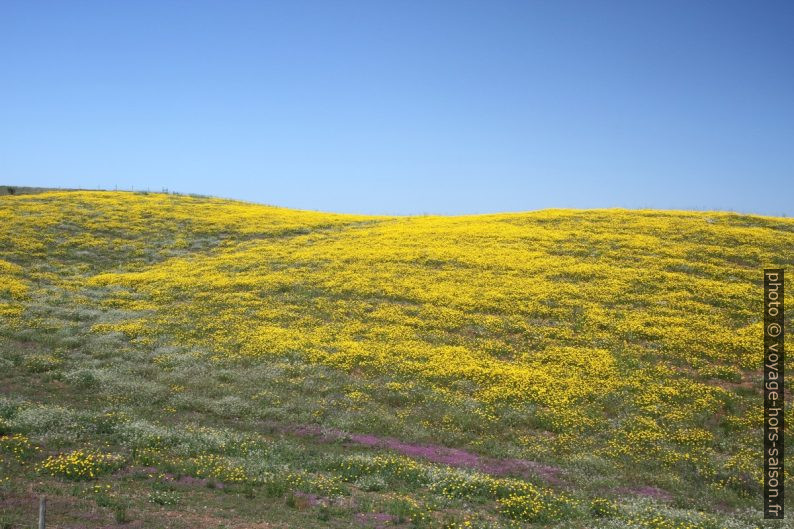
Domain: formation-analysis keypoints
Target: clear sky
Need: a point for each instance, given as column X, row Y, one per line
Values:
column 406, row 106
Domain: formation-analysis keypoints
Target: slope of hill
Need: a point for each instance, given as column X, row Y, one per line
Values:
column 170, row 361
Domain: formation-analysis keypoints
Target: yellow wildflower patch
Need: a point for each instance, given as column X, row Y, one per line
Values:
column 616, row 332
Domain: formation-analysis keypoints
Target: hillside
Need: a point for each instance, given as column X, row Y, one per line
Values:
column 176, row 361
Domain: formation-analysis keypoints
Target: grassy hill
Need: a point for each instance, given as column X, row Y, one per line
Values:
column 175, row 361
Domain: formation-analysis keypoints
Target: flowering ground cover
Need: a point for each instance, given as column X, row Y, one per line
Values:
column 170, row 361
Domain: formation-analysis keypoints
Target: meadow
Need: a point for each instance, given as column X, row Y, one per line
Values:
column 181, row 361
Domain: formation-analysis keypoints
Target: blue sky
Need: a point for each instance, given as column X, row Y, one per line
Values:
column 406, row 107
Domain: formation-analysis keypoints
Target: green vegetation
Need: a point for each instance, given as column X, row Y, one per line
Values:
column 173, row 361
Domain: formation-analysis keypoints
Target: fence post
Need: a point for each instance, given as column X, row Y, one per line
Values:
column 42, row 511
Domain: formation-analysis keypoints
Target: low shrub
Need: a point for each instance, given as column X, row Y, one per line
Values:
column 603, row 508
column 164, row 497
column 541, row 507
column 80, row 464
column 40, row 363
column 18, row 446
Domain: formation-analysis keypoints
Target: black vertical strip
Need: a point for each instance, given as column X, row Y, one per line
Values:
column 773, row 394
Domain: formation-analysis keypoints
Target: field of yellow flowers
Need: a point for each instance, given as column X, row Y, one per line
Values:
column 172, row 360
